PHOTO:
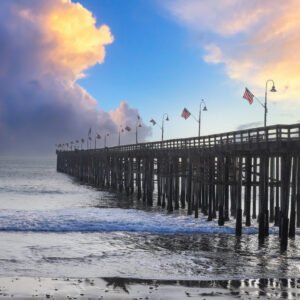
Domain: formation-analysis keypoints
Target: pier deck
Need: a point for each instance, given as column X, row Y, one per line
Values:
column 246, row 175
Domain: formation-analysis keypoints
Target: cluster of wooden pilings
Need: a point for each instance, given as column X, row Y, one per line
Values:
column 246, row 175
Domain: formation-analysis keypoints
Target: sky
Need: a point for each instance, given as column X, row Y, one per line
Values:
column 67, row 66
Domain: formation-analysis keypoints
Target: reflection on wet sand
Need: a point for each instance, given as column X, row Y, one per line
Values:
column 263, row 287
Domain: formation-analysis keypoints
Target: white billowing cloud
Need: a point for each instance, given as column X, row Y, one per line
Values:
column 45, row 46
column 254, row 40
column 129, row 117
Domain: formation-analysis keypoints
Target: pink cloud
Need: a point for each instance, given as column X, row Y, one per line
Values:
column 44, row 47
column 254, row 40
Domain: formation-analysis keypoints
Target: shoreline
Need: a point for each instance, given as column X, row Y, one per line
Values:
column 135, row 288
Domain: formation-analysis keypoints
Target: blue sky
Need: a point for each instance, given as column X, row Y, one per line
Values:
column 157, row 65
column 158, row 56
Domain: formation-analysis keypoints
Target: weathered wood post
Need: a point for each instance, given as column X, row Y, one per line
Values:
column 277, row 208
column 292, row 229
column 150, row 182
column 248, row 189
column 284, row 206
column 158, row 182
column 189, row 186
column 254, row 188
column 220, row 190
column 272, row 188
column 226, row 189
column 298, row 192
column 176, row 183
column 170, row 186
column 138, row 179
column 183, row 182
column 239, row 214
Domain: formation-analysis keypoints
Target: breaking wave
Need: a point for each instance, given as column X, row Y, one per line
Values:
column 110, row 220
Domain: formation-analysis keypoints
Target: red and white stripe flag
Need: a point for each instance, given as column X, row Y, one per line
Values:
column 185, row 114
column 248, row 96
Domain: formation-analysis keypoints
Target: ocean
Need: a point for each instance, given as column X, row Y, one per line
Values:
column 53, row 226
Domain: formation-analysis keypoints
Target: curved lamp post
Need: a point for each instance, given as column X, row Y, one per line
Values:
column 98, row 137
column 164, row 118
column 202, row 103
column 105, row 139
column 138, row 125
column 120, row 130
column 273, row 90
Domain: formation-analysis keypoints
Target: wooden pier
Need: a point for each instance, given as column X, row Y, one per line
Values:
column 245, row 175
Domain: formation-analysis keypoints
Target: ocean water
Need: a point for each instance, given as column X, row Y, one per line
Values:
column 53, row 226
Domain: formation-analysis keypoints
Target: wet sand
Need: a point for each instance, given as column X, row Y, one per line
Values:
column 128, row 288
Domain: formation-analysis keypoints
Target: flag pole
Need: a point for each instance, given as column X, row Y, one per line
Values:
column 202, row 102
column 265, row 105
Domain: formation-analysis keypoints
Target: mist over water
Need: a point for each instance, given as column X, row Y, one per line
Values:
column 53, row 226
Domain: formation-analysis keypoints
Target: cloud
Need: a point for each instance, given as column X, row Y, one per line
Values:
column 254, row 40
column 225, row 17
column 126, row 116
column 45, row 46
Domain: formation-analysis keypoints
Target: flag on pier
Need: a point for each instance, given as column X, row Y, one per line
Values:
column 90, row 131
column 153, row 122
column 128, row 128
column 185, row 113
column 98, row 136
column 248, row 96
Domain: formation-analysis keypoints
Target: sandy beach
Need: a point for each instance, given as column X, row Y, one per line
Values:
column 126, row 288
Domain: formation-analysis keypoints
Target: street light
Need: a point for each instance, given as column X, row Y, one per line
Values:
column 273, row 90
column 98, row 137
column 138, row 125
column 164, row 118
column 105, row 139
column 200, row 110
column 162, row 124
column 120, row 130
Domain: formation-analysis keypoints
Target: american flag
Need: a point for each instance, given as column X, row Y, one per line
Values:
column 248, row 96
column 153, row 122
column 185, row 114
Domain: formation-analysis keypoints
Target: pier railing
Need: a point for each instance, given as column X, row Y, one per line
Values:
column 276, row 133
